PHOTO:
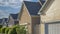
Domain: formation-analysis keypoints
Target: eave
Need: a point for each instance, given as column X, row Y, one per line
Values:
column 45, row 7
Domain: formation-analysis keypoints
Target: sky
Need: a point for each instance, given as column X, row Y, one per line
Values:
column 10, row 7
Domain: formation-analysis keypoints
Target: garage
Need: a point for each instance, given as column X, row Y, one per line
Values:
column 52, row 28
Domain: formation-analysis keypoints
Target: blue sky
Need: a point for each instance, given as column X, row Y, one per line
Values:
column 10, row 6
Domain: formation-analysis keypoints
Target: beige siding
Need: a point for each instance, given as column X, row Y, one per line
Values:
column 53, row 13
column 25, row 18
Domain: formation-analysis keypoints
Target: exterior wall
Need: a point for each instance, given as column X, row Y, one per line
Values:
column 35, row 24
column 11, row 21
column 25, row 18
column 42, row 28
column 53, row 13
column 36, row 29
column 35, row 20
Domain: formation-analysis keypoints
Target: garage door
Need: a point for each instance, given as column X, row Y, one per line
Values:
column 52, row 28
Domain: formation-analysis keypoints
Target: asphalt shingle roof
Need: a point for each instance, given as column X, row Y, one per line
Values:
column 14, row 16
column 33, row 7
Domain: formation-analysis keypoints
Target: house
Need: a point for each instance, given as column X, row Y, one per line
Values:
column 5, row 22
column 13, row 20
column 42, row 2
column 50, row 17
column 29, row 16
column 1, row 21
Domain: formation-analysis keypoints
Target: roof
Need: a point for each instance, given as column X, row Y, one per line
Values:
column 45, row 6
column 5, row 19
column 1, row 20
column 33, row 7
column 14, row 16
column 42, row 1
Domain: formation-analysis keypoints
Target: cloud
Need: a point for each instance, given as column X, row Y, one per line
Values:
column 12, row 3
column 24, row 0
column 3, row 13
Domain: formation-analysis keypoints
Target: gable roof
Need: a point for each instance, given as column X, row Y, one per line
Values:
column 33, row 7
column 14, row 16
column 1, row 20
column 45, row 6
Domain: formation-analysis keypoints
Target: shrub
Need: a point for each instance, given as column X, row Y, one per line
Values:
column 17, row 30
column 12, row 31
column 7, row 30
column 3, row 30
column 21, row 30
